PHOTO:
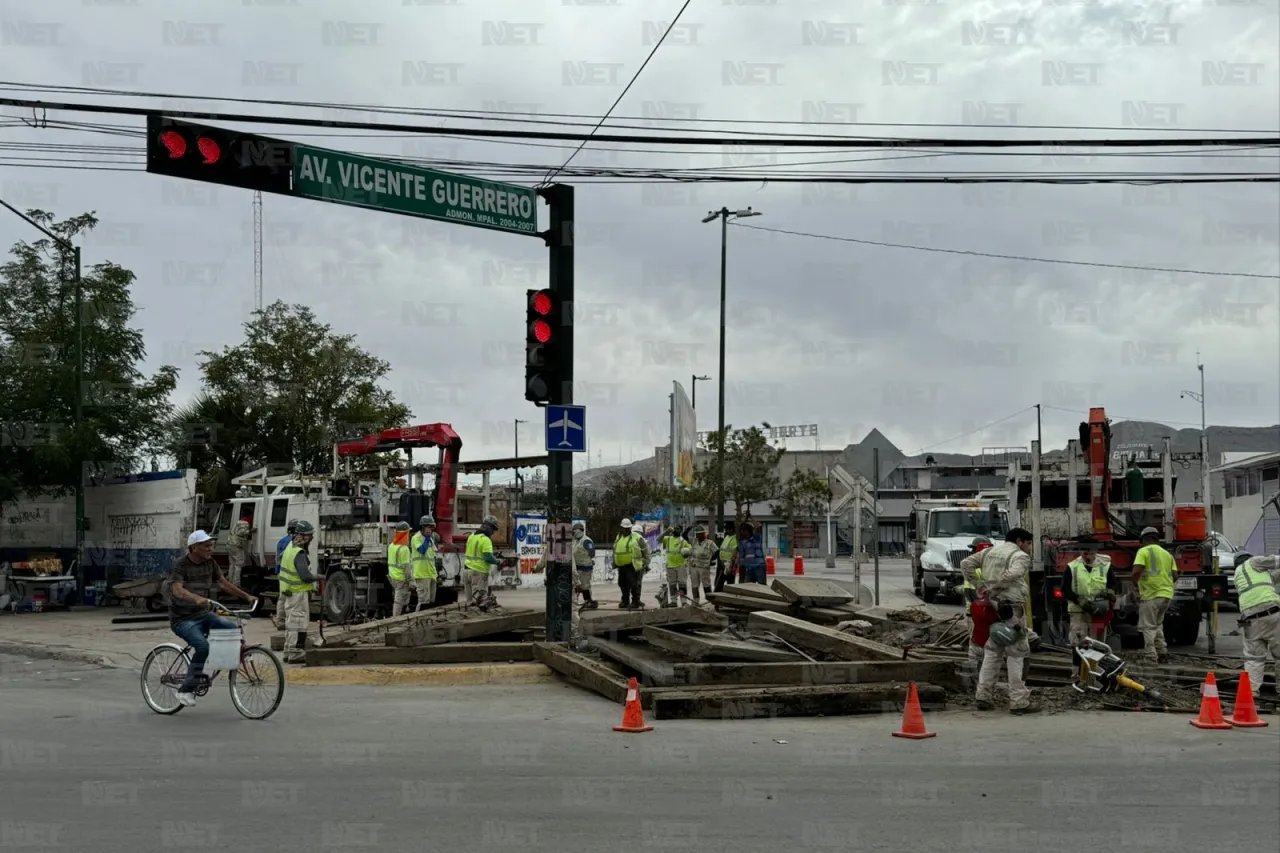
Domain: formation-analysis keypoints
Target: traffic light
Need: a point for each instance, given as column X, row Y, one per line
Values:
column 217, row 155
column 544, row 324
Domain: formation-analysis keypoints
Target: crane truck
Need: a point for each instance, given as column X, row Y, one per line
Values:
column 354, row 513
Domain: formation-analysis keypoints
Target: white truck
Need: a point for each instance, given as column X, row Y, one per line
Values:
column 941, row 532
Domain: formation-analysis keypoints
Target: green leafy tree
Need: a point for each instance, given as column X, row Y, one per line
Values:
column 803, row 495
column 285, row 394
column 749, row 475
column 124, row 412
column 619, row 495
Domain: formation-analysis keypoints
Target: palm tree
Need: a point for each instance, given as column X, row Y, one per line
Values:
column 221, row 437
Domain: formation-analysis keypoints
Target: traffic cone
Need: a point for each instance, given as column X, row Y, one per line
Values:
column 1210, row 706
column 633, row 714
column 912, row 719
column 799, row 565
column 1243, row 712
column 768, row 565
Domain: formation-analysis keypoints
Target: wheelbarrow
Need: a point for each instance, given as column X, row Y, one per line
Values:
column 139, row 593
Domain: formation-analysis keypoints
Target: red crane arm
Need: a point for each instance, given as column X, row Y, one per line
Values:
column 1099, row 473
column 408, row 438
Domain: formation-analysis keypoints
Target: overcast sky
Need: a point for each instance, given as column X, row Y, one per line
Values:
column 925, row 346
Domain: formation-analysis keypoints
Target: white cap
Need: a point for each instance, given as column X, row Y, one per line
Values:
column 626, row 524
column 198, row 537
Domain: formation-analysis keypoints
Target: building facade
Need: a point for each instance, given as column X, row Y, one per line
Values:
column 1251, row 485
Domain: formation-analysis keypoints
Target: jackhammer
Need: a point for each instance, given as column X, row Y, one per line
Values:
column 1100, row 671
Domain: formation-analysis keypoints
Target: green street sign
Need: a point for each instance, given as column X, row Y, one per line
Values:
column 399, row 188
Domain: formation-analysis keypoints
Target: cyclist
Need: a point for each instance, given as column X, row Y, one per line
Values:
column 190, row 584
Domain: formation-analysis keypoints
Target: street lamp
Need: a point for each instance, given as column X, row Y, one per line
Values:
column 519, row 479
column 694, row 386
column 724, row 214
column 78, row 326
column 1204, row 438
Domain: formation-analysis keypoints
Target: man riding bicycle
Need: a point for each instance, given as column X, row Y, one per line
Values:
column 190, row 583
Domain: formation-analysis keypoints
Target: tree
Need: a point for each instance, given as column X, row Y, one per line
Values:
column 619, row 495
column 124, row 412
column 750, row 472
column 287, row 393
column 803, row 495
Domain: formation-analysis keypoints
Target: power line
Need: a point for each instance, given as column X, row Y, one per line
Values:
column 1006, row 257
column 982, row 428
column 823, row 142
column 621, row 95
column 490, row 115
column 1160, row 421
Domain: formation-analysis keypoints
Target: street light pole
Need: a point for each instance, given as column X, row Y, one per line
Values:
column 78, row 330
column 1204, row 442
column 519, row 479
column 693, row 386
column 723, row 214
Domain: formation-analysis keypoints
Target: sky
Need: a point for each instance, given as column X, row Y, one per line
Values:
column 929, row 347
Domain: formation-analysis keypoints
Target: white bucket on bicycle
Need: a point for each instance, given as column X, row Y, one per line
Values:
column 224, row 648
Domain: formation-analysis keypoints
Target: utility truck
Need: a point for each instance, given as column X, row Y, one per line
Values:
column 941, row 532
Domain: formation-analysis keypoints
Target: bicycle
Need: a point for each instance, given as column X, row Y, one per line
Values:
column 173, row 660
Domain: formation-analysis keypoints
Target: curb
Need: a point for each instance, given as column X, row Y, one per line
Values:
column 63, row 653
column 427, row 675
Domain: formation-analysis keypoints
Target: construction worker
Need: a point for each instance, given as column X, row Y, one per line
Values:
column 970, row 594
column 728, row 550
column 631, row 558
column 584, row 564
column 296, row 582
column 277, row 618
column 1084, row 586
column 238, row 547
column 750, row 555
column 423, row 562
column 1154, row 573
column 478, row 560
column 398, row 568
column 1256, row 579
column 1000, row 575
column 677, row 549
column 701, row 556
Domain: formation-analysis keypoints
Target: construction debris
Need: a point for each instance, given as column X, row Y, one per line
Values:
column 816, row 638
column 812, row 592
column 700, row 647
column 618, row 623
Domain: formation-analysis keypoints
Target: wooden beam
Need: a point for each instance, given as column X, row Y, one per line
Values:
column 812, row 592
column 431, row 634
column 825, row 640
column 696, row 647
column 651, row 668
column 583, row 672
column 350, row 633
column 770, row 702
column 755, row 590
column 747, row 602
column 808, row 674
column 448, row 653
column 622, row 622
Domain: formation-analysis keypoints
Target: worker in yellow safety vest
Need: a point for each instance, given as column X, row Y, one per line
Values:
column 398, row 561
column 1084, row 586
column 728, row 550
column 677, row 548
column 296, row 579
column 424, row 559
column 477, row 561
column 631, row 559
column 1256, row 580
column 1154, row 573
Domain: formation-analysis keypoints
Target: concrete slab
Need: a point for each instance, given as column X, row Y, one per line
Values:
column 803, row 674
column 754, row 590
column 811, row 592
column 820, row 639
column 748, row 603
column 773, row 702
column 585, row 672
column 615, row 623
column 698, row 647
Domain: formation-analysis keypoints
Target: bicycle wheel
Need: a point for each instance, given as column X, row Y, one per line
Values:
column 257, row 687
column 162, row 674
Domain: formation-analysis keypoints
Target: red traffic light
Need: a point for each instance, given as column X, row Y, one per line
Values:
column 174, row 143
column 209, row 149
column 542, row 304
column 541, row 331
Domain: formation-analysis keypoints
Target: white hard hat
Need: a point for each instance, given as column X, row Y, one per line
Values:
column 197, row 537
column 1148, row 531
column 626, row 524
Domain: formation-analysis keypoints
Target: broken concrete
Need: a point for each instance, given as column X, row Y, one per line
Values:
column 770, row 702
column 699, row 647
column 366, row 631
column 435, row 633
column 748, row 603
column 825, row 640
column 812, row 592
column 601, row 623
column 755, row 590
column 448, row 653
column 586, row 673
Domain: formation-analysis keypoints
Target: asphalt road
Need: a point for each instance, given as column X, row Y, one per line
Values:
column 85, row 767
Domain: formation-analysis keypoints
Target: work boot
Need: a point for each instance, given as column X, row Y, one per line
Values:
column 637, row 604
column 590, row 603
column 983, row 705
column 1029, row 708
column 1162, row 658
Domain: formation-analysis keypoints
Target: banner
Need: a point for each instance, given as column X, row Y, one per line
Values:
column 529, row 544
column 684, row 437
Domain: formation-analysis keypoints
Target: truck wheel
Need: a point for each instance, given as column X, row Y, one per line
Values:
column 929, row 593
column 155, row 604
column 339, row 597
column 1182, row 631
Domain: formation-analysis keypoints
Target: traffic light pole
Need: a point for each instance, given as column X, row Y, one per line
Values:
column 559, row 577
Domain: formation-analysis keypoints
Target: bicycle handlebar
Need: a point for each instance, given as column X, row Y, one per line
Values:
column 219, row 607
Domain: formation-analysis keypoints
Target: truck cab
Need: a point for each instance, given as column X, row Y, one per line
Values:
column 942, row 533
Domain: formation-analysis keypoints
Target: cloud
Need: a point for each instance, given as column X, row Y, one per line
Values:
column 925, row 346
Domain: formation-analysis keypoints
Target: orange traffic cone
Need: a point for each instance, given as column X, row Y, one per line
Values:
column 768, row 565
column 1210, row 706
column 1243, row 713
column 798, row 567
column 912, row 719
column 633, row 714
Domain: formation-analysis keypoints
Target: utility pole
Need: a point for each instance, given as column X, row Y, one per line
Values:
column 559, row 238
column 875, row 530
column 1039, row 437
column 78, row 332
column 1205, row 495
column 519, row 476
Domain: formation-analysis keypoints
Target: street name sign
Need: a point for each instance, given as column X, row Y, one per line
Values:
column 386, row 185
